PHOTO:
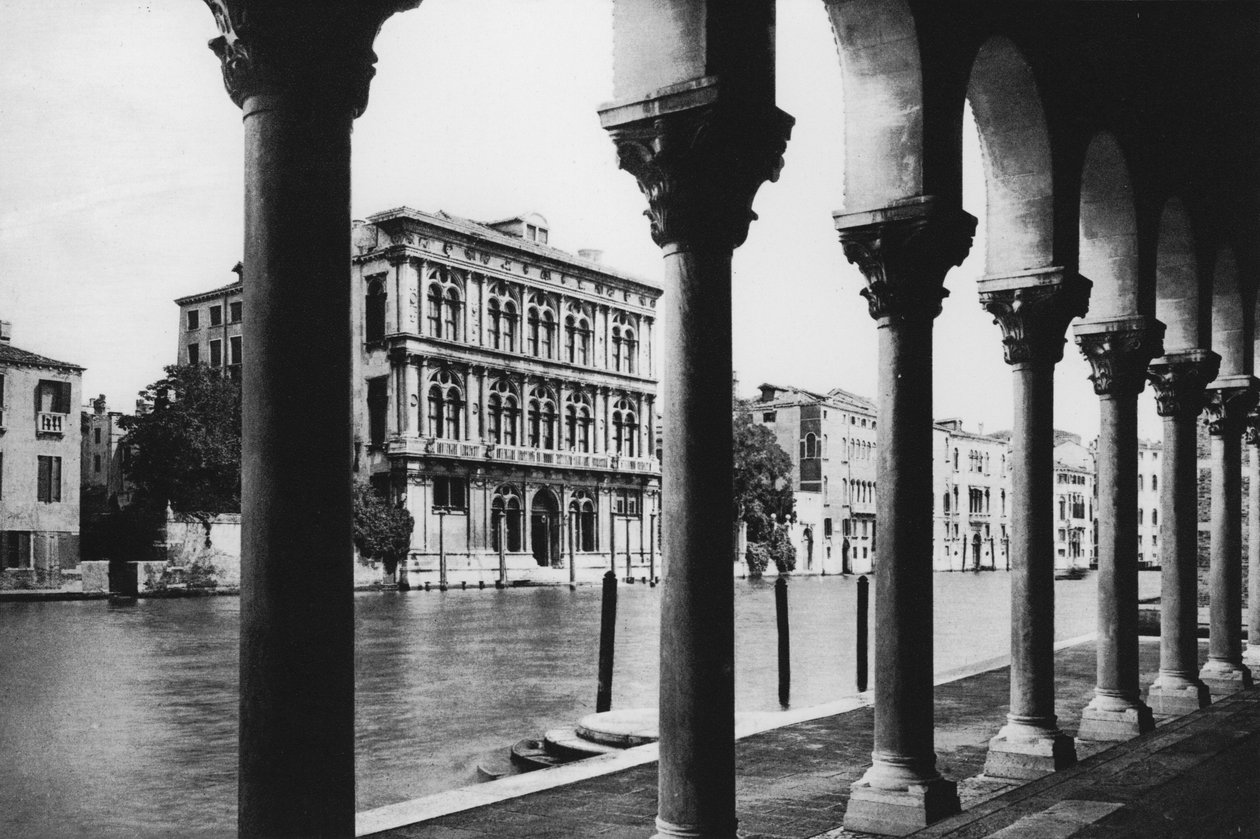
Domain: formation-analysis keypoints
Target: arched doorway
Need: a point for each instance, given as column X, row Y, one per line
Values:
column 544, row 527
column 975, row 552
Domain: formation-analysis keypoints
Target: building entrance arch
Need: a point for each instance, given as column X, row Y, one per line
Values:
column 544, row 527
column 975, row 552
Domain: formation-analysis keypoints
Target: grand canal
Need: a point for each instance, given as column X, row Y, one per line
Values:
column 121, row 721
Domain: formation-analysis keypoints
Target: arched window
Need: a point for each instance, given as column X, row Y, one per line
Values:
column 811, row 445
column 542, row 419
column 541, row 325
column 946, row 502
column 625, row 428
column 446, row 306
column 577, row 330
column 446, row 406
column 1154, row 483
column 1141, row 516
column 955, row 460
column 1141, row 483
column 503, row 409
column 577, row 422
column 582, row 520
column 374, row 311
column 844, row 491
column 624, row 345
column 494, row 323
column 505, row 515
column 1154, row 516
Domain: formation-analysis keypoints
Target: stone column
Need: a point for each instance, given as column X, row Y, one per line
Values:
column 1229, row 400
column 1118, row 351
column 699, row 156
column 1179, row 380
column 300, row 76
column 411, row 395
column 1251, row 654
column 1033, row 310
column 422, row 397
column 483, row 419
column 904, row 251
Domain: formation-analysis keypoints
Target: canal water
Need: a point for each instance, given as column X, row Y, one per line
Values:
column 120, row 721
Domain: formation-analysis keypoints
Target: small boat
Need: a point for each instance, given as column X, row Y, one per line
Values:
column 1073, row 573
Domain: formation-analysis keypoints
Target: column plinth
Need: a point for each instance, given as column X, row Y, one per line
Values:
column 904, row 252
column 1033, row 310
column 1179, row 380
column 699, row 160
column 1118, row 351
column 1230, row 398
column 300, row 75
column 1251, row 653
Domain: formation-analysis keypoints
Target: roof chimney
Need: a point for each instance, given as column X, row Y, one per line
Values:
column 6, row 331
column 239, row 270
column 592, row 254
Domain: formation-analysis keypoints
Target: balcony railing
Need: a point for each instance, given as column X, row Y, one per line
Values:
column 421, row 446
column 46, row 422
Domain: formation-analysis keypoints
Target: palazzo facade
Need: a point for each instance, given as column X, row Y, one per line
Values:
column 505, row 393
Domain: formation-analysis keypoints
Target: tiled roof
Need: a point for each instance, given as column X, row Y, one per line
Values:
column 10, row 354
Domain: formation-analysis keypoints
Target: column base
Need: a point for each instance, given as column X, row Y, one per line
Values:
column 1113, row 720
column 1225, row 677
column 668, row 830
column 1175, row 697
column 1251, row 655
column 900, row 812
column 1024, row 755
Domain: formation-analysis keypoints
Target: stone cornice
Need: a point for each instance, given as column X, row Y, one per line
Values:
column 1118, row 350
column 699, row 161
column 1229, row 400
column 320, row 54
column 1033, row 310
column 904, row 252
column 1179, row 380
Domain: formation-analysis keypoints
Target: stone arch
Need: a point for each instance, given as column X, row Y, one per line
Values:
column 1108, row 230
column 1228, row 325
column 1177, row 281
column 882, row 81
column 1015, row 150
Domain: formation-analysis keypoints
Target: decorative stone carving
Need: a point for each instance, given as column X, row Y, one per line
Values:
column 1251, row 431
column 320, row 53
column 700, row 165
column 1118, row 352
column 904, row 252
column 1033, row 311
column 1228, row 405
column 1180, row 379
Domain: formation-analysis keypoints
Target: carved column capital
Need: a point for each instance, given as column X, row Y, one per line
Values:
column 1180, row 379
column 1033, row 310
column 1118, row 350
column 904, row 251
column 318, row 52
column 699, row 160
column 1251, row 431
column 1229, row 401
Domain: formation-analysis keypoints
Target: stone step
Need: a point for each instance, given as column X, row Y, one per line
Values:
column 568, row 744
column 622, row 729
column 496, row 764
column 530, row 754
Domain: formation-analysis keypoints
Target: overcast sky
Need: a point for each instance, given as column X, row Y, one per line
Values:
column 120, row 185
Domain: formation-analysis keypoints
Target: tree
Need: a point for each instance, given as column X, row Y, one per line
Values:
column 763, row 493
column 187, row 446
column 763, row 476
column 381, row 530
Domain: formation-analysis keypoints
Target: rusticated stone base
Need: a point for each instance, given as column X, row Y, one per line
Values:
column 1176, row 700
column 1224, row 678
column 900, row 812
column 1115, row 726
column 1027, row 758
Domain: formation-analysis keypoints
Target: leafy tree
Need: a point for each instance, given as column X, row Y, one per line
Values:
column 763, row 477
column 381, row 530
column 188, row 444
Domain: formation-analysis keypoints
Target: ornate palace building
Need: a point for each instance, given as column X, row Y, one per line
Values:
column 506, row 390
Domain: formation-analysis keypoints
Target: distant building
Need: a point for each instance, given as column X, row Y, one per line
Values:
column 210, row 327
column 39, row 467
column 104, row 460
column 832, row 440
column 1150, row 468
column 972, row 479
column 1073, row 502
column 504, row 390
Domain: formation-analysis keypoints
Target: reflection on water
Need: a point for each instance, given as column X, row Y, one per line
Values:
column 121, row 721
